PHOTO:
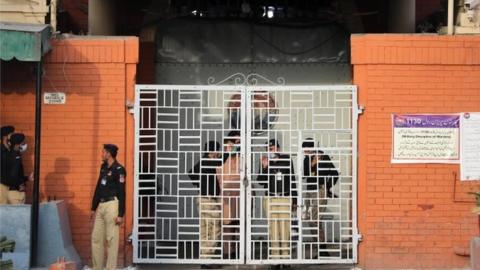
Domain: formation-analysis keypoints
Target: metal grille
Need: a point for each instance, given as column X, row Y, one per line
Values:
column 192, row 207
column 320, row 223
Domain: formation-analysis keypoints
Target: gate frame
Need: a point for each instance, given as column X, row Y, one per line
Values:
column 356, row 237
column 245, row 173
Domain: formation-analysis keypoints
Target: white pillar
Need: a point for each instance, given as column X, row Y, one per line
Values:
column 450, row 17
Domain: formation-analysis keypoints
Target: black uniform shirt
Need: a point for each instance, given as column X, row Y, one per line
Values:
column 207, row 175
column 111, row 183
column 281, row 177
column 323, row 172
column 15, row 175
column 3, row 161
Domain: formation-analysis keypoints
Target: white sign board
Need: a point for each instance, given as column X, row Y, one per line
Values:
column 425, row 138
column 470, row 147
column 54, row 98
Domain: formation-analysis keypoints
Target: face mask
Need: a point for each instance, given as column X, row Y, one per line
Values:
column 23, row 148
column 272, row 155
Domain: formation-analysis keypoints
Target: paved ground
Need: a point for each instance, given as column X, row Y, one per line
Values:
column 242, row 267
column 230, row 267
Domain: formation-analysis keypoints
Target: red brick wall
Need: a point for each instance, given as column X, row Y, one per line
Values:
column 412, row 215
column 96, row 75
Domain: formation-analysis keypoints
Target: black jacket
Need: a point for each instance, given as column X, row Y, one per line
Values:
column 206, row 173
column 279, row 177
column 113, row 185
column 4, row 155
column 15, row 176
column 323, row 172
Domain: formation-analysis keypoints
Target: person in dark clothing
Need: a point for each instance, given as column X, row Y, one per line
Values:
column 318, row 169
column 15, row 177
column 278, row 176
column 278, row 170
column 209, row 202
column 6, row 132
column 108, row 208
column 319, row 176
column 203, row 173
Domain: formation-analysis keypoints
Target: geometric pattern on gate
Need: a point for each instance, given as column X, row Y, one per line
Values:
column 314, row 220
column 190, row 199
column 188, row 204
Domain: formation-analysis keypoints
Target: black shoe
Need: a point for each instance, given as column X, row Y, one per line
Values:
column 211, row 266
column 286, row 267
column 274, row 267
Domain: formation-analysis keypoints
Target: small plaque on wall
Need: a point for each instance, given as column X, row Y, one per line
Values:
column 54, row 98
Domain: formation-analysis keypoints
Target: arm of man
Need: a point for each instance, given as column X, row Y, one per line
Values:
column 121, row 194
column 96, row 195
column 262, row 178
column 4, row 166
column 331, row 173
column 22, row 178
column 194, row 174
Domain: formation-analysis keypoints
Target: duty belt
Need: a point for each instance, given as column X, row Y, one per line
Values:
column 107, row 199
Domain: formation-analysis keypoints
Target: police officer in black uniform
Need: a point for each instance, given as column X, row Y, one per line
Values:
column 319, row 176
column 209, row 201
column 278, row 176
column 108, row 208
column 278, row 173
column 6, row 132
column 16, row 178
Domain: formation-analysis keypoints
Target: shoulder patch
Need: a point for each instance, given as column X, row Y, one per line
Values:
column 122, row 178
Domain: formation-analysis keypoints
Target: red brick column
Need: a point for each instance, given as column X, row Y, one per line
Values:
column 412, row 215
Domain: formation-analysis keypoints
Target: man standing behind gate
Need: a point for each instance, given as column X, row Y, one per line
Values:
column 209, row 203
column 108, row 207
column 319, row 176
column 279, row 176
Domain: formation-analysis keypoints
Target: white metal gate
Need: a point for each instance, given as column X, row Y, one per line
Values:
column 202, row 194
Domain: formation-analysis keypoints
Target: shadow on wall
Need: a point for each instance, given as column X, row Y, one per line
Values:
column 58, row 188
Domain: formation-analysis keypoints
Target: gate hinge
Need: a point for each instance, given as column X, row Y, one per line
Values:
column 130, row 106
column 358, row 237
column 360, row 109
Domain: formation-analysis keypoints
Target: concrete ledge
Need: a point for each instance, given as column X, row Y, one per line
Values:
column 15, row 225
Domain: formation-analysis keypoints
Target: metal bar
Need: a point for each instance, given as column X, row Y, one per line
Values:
column 36, row 169
column 354, row 161
column 248, row 186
